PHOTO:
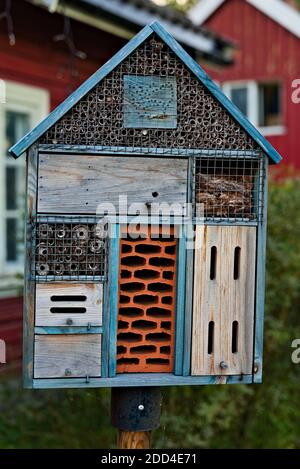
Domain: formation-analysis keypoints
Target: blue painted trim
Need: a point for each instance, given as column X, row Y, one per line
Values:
column 29, row 285
column 30, row 138
column 145, row 151
column 138, row 379
column 224, row 222
column 68, row 330
column 180, row 302
column 68, row 278
column 113, row 286
column 189, row 287
column 19, row 148
column 214, row 89
column 260, row 285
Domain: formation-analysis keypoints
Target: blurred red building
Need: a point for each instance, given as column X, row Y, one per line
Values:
column 262, row 79
column 47, row 48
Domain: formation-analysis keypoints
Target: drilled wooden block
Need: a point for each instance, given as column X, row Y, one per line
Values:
column 69, row 304
column 223, row 313
column 146, row 319
column 67, row 356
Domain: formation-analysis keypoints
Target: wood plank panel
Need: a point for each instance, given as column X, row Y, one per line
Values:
column 90, row 296
column 221, row 299
column 69, row 356
column 78, row 183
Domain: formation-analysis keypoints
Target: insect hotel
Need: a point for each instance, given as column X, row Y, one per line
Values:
column 179, row 298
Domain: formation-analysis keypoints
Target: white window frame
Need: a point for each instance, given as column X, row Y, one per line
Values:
column 253, row 105
column 35, row 102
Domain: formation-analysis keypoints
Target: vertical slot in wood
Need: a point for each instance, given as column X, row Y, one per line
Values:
column 213, row 262
column 211, row 333
column 236, row 266
column 235, row 333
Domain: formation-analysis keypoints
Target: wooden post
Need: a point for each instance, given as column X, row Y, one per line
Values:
column 135, row 412
column 134, row 440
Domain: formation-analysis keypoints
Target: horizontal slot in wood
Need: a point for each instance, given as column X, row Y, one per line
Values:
column 66, row 310
column 58, row 298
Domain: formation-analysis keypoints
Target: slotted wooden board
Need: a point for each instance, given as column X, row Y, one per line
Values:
column 93, row 304
column 223, row 300
column 67, row 356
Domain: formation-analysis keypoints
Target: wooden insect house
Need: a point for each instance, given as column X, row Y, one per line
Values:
column 176, row 297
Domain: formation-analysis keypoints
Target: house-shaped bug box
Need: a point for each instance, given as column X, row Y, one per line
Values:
column 145, row 230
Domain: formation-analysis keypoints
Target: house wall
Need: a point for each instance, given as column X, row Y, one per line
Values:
column 266, row 52
column 38, row 61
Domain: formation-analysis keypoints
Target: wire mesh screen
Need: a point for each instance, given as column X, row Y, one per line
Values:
column 228, row 188
column 69, row 250
column 104, row 116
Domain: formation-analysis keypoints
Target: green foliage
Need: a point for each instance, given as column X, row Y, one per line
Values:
column 238, row 416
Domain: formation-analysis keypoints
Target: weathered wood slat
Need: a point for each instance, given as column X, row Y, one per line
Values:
column 58, row 356
column 222, row 300
column 90, row 297
column 78, row 183
column 140, row 379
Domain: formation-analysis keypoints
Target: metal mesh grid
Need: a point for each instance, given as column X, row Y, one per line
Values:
column 98, row 118
column 228, row 188
column 73, row 249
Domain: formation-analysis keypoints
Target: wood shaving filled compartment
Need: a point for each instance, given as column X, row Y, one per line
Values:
column 228, row 188
column 146, row 319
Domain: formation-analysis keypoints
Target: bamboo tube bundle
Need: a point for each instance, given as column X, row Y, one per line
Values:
column 80, row 233
column 42, row 268
column 99, row 230
column 43, row 250
column 72, row 267
column 58, row 268
column 62, row 250
column 70, row 250
column 45, row 231
column 79, row 252
column 93, row 266
column 61, row 232
column 96, row 245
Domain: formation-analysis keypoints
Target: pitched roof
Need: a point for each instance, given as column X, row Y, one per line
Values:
column 191, row 64
column 278, row 10
column 131, row 15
